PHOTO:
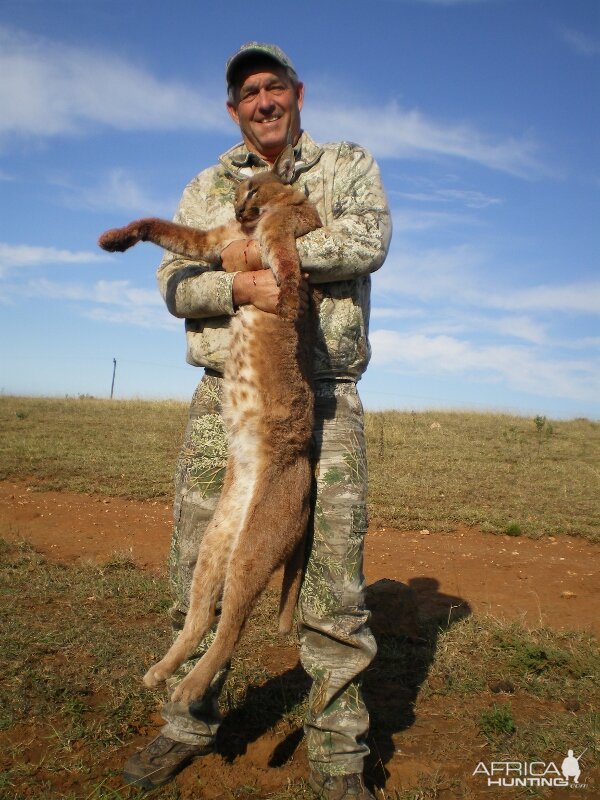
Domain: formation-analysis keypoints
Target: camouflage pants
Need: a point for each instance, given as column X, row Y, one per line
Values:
column 335, row 642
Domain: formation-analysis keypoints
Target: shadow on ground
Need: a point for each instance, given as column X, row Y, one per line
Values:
column 407, row 633
column 406, row 621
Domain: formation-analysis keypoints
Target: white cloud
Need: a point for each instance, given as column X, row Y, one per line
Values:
column 116, row 302
column 15, row 257
column 583, row 298
column 416, row 350
column 385, row 312
column 117, row 191
column 517, row 327
column 468, row 197
column 456, row 318
column 48, row 88
column 457, row 275
column 414, row 220
column 522, row 368
column 118, row 293
column 460, row 322
column 580, row 42
column 110, row 301
column 582, row 343
column 431, row 273
column 393, row 132
column 139, row 317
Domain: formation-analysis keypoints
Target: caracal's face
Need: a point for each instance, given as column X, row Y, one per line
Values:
column 267, row 110
column 253, row 195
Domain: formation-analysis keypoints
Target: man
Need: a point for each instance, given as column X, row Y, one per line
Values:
column 265, row 98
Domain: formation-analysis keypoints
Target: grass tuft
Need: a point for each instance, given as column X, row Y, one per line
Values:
column 497, row 721
column 513, row 529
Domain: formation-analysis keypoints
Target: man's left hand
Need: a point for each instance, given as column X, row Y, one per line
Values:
column 242, row 256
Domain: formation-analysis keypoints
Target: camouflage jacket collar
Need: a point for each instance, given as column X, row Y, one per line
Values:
column 239, row 162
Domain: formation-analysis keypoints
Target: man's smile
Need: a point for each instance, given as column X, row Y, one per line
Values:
column 267, row 120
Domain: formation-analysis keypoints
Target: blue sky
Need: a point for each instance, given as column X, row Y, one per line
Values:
column 483, row 115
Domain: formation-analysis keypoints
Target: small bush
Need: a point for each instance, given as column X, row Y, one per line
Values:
column 497, row 721
column 513, row 529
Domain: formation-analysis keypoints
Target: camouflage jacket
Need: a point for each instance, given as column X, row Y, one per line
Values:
column 343, row 181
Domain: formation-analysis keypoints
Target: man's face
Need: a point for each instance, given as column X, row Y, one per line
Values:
column 267, row 108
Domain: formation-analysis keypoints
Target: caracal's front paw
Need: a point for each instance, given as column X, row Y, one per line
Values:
column 120, row 239
column 156, row 675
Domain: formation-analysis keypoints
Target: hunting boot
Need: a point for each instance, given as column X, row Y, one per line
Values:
column 339, row 787
column 160, row 761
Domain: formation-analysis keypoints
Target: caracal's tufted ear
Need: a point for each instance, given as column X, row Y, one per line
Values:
column 284, row 166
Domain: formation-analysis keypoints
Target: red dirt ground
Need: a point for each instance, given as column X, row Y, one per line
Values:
column 553, row 581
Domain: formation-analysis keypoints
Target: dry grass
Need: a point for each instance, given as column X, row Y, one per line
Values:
column 507, row 474
column 68, row 696
column 75, row 641
column 113, row 447
column 434, row 470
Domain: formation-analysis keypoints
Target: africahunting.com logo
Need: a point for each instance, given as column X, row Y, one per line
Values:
column 529, row 774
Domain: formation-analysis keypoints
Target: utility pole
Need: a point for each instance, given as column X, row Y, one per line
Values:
column 112, row 386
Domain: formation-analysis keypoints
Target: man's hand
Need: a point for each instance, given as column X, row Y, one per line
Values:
column 260, row 289
column 243, row 255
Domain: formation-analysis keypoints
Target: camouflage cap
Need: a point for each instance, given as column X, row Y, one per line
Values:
column 258, row 49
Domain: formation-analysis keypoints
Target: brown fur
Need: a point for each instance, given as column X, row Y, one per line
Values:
column 261, row 517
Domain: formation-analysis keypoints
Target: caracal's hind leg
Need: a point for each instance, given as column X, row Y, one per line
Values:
column 207, row 582
column 275, row 524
